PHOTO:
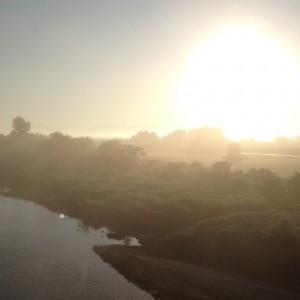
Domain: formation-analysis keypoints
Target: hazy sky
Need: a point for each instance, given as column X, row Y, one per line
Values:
column 78, row 64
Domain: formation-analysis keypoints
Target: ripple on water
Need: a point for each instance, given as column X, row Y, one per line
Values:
column 45, row 255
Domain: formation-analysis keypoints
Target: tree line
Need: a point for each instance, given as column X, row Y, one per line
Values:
column 22, row 152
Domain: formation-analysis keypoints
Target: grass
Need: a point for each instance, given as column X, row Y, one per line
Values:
column 170, row 279
column 283, row 166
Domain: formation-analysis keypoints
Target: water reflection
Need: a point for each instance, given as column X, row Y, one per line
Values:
column 44, row 256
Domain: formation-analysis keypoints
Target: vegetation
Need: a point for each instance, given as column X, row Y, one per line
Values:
column 173, row 279
column 244, row 222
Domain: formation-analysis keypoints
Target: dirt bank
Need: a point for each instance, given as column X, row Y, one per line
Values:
column 169, row 279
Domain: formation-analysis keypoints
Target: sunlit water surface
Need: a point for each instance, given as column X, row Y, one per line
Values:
column 44, row 255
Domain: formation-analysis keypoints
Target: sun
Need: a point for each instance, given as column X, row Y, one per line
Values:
column 244, row 81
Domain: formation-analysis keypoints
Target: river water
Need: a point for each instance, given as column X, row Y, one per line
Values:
column 45, row 255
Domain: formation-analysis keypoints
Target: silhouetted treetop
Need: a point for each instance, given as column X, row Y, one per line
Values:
column 20, row 126
column 115, row 147
column 116, row 154
column 221, row 168
column 233, row 153
column 145, row 139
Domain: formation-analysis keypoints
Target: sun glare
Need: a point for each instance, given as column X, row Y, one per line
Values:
column 243, row 81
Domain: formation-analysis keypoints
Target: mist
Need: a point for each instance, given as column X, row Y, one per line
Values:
column 150, row 149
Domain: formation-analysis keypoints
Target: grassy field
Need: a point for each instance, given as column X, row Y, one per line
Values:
column 283, row 166
column 206, row 160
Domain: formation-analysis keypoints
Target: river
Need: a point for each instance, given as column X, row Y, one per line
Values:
column 45, row 255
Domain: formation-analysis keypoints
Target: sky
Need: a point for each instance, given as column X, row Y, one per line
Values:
column 113, row 67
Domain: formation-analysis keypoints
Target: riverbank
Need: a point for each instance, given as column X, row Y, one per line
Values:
column 170, row 279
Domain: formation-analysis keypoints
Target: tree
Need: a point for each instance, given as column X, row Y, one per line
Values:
column 233, row 153
column 221, row 174
column 206, row 140
column 113, row 153
column 20, row 126
column 174, row 142
column 198, row 170
column 146, row 140
column 294, row 185
column 265, row 181
column 221, row 168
